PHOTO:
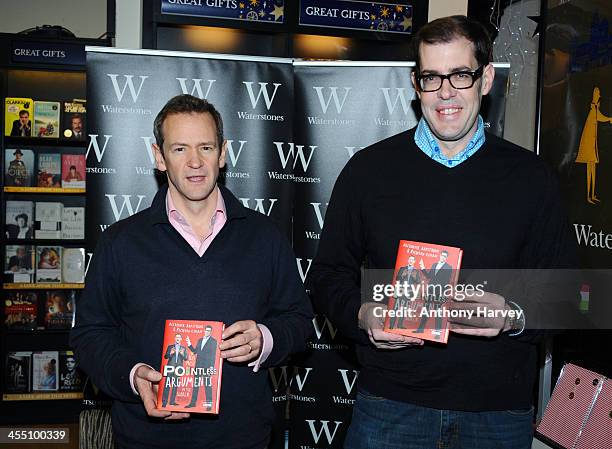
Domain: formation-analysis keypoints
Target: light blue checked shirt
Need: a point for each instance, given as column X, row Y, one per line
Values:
column 425, row 140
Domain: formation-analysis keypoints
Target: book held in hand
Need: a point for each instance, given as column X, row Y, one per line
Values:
column 18, row 114
column 426, row 275
column 20, row 310
column 18, row 167
column 191, row 367
column 46, row 119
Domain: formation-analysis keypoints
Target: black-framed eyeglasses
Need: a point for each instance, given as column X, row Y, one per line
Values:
column 458, row 80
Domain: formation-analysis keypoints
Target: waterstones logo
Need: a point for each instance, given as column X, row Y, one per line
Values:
column 123, row 84
column 352, row 150
column 282, row 382
column 301, row 270
column 292, row 155
column 349, row 383
column 320, row 428
column 319, row 216
column 148, row 149
column 263, row 93
column 98, row 151
column 124, row 207
column 196, row 87
column 259, row 205
column 324, row 327
column 328, row 96
column 394, row 97
column 234, row 151
column 587, row 236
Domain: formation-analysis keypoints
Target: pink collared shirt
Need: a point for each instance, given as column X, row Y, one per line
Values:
column 200, row 245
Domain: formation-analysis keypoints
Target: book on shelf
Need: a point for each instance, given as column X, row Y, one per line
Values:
column 45, row 371
column 59, row 309
column 18, row 114
column 191, row 367
column 49, row 170
column 73, row 223
column 19, row 263
column 425, row 276
column 47, row 119
column 19, row 223
column 71, row 378
column 73, row 171
column 48, row 218
column 73, row 265
column 20, row 310
column 18, row 167
column 49, row 264
column 18, row 370
column 74, row 115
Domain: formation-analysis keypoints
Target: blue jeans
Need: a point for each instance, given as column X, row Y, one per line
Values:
column 380, row 423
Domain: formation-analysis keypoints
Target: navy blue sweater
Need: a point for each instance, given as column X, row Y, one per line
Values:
column 143, row 273
column 501, row 206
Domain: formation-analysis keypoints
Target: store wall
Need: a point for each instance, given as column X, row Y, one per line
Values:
column 85, row 18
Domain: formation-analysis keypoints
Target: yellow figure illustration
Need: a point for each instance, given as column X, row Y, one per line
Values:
column 588, row 152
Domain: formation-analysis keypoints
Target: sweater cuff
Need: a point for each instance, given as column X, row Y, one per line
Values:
column 266, row 347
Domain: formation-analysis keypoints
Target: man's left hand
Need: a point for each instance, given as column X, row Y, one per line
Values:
column 242, row 342
column 479, row 324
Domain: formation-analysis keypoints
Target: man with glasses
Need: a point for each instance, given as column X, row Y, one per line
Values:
column 496, row 201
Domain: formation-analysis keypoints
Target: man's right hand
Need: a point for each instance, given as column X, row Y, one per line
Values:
column 146, row 382
column 373, row 325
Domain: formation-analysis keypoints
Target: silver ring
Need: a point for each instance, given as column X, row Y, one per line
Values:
column 250, row 348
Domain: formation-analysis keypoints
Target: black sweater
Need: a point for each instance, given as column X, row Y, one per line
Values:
column 143, row 272
column 501, row 206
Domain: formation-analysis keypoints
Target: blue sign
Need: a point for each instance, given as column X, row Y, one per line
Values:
column 357, row 15
column 48, row 53
column 268, row 11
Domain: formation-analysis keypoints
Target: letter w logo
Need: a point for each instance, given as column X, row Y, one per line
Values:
column 197, row 87
column 127, row 84
column 276, row 380
column 319, row 329
column 317, row 209
column 316, row 435
column 259, row 207
column 333, row 95
column 263, row 90
column 296, row 152
column 126, row 205
column 230, row 150
column 93, row 143
column 348, row 385
column 400, row 94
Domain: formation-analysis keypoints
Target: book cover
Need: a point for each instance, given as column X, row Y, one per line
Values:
column 45, row 371
column 191, row 366
column 19, row 223
column 73, row 171
column 59, row 309
column 48, row 218
column 71, row 379
column 18, row 167
column 18, row 117
column 74, row 120
column 49, row 264
column 427, row 274
column 19, row 263
column 73, row 265
column 18, row 370
column 73, row 223
column 47, row 119
column 20, row 310
column 49, row 170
